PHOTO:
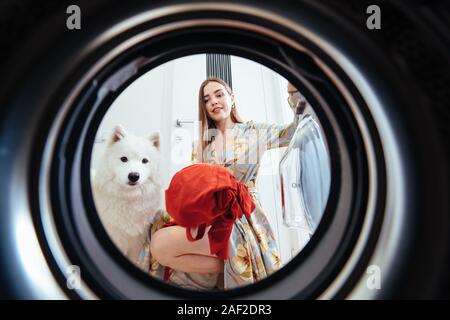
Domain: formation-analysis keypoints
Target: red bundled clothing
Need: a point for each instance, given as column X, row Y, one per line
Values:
column 203, row 195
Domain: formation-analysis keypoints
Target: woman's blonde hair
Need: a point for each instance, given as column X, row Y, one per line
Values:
column 205, row 121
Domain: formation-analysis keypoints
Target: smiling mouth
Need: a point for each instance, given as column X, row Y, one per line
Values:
column 217, row 109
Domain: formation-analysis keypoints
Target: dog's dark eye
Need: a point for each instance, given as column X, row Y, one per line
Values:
column 144, row 160
column 124, row 159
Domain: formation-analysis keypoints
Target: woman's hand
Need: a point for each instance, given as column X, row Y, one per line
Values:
column 291, row 88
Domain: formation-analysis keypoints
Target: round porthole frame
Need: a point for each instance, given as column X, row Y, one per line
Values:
column 358, row 176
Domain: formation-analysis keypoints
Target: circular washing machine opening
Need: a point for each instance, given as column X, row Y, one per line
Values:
column 276, row 148
column 133, row 122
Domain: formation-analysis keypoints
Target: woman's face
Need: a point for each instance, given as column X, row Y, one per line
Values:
column 218, row 101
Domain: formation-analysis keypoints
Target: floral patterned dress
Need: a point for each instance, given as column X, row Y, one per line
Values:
column 253, row 250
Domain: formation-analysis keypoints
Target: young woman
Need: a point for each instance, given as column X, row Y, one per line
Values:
column 227, row 141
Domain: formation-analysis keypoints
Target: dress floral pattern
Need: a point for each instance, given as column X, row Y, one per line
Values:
column 253, row 250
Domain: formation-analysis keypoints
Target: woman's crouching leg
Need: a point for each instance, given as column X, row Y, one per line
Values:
column 171, row 248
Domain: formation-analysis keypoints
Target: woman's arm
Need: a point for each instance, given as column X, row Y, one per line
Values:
column 276, row 135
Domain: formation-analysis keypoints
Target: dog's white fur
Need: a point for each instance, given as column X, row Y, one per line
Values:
column 127, row 210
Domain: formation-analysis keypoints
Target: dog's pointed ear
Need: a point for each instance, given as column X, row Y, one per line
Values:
column 118, row 133
column 154, row 138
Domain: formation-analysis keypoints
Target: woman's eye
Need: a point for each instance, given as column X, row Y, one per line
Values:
column 124, row 159
column 144, row 160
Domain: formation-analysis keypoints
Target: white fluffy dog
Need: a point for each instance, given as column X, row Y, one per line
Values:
column 127, row 189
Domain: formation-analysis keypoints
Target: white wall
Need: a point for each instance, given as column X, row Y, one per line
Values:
column 169, row 92
column 188, row 75
column 139, row 109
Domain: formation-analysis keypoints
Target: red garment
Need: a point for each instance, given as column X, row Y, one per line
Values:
column 203, row 195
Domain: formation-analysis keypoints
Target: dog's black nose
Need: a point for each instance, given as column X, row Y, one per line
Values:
column 133, row 176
